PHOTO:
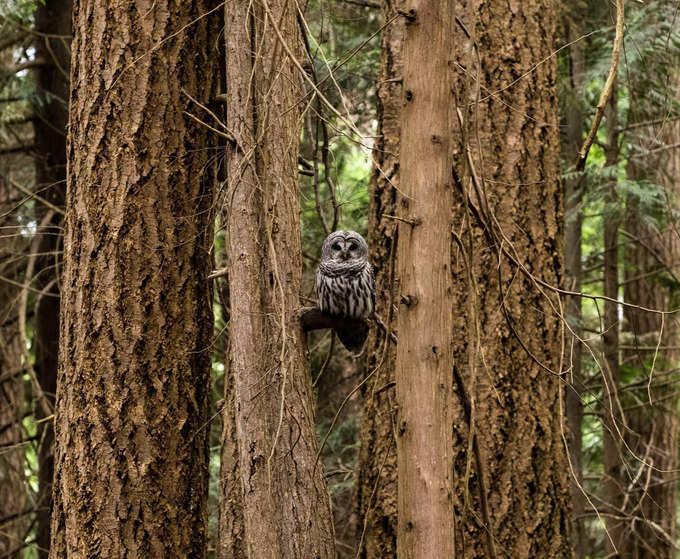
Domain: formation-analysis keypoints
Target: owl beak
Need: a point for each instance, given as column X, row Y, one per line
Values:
column 345, row 255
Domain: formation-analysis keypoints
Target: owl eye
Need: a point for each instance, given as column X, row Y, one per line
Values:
column 353, row 246
column 335, row 246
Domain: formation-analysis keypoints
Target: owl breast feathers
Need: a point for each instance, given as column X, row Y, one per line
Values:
column 344, row 280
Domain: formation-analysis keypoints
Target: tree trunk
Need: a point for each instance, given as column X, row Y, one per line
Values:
column 231, row 540
column 424, row 358
column 573, row 274
column 651, row 257
column 12, row 400
column 612, row 427
column 131, row 448
column 511, row 497
column 52, row 18
column 286, row 504
column 375, row 503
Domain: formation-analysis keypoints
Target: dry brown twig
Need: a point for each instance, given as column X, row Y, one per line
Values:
column 606, row 91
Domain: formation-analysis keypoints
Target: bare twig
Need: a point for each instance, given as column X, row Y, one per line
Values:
column 607, row 90
column 35, row 196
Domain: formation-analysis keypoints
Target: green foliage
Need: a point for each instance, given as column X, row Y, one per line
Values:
column 647, row 91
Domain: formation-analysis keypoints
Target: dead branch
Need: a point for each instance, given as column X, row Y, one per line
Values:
column 606, row 91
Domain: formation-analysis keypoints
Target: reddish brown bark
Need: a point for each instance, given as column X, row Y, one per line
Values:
column 286, row 505
column 424, row 358
column 509, row 397
column 131, row 447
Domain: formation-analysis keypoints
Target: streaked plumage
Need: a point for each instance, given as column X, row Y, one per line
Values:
column 344, row 279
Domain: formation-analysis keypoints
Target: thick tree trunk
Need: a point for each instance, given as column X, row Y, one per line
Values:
column 131, row 449
column 612, row 427
column 424, row 359
column 286, row 504
column 375, row 504
column 512, row 487
column 12, row 399
column 53, row 19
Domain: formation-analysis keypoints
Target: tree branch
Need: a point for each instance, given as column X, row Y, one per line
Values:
column 606, row 91
column 364, row 3
column 352, row 332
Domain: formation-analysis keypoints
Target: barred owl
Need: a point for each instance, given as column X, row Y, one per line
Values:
column 344, row 282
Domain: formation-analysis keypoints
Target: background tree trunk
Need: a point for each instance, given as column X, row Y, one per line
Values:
column 12, row 451
column 512, row 487
column 286, row 503
column 231, row 542
column 131, row 449
column 53, row 20
column 424, row 358
column 375, row 502
column 574, row 189
column 612, row 426
column 652, row 258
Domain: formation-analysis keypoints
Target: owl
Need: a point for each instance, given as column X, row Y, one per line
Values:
column 345, row 286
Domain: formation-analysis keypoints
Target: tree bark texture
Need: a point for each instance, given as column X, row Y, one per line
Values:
column 131, row 449
column 511, row 496
column 286, row 503
column 53, row 20
column 12, row 398
column 424, row 357
column 375, row 504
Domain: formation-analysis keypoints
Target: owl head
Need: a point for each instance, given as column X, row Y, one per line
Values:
column 344, row 247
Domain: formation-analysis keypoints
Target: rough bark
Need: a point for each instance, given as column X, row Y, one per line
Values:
column 424, row 357
column 511, row 497
column 286, row 504
column 12, row 398
column 131, row 440
column 53, row 18
column 612, row 427
column 573, row 274
column 375, row 501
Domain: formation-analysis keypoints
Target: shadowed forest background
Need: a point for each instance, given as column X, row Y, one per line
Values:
column 211, row 147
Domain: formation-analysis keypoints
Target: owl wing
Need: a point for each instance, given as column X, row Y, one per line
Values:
column 321, row 291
